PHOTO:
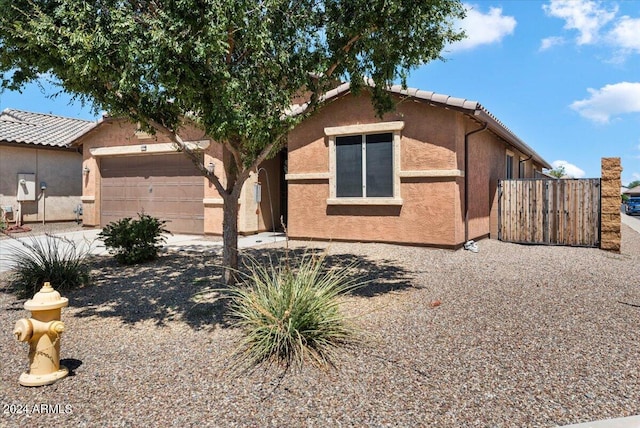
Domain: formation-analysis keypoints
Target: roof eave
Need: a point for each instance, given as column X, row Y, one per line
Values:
column 508, row 136
column 470, row 107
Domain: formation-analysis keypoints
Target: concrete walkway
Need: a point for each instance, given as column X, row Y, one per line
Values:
column 632, row 222
column 630, row 422
column 88, row 239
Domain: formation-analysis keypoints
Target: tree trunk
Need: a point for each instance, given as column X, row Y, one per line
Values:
column 230, row 238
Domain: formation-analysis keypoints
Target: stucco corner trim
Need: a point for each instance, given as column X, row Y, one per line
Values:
column 308, row 176
column 432, row 173
column 213, row 201
column 88, row 199
column 364, row 128
column 147, row 148
column 216, row 202
column 365, row 201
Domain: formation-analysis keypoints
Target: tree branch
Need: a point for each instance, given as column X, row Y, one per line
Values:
column 235, row 152
column 260, row 158
column 182, row 146
column 346, row 48
column 230, row 42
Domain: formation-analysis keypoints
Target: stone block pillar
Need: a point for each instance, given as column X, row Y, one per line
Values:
column 610, row 236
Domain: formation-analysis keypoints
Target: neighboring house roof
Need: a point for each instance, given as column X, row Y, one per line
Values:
column 471, row 108
column 17, row 126
column 634, row 191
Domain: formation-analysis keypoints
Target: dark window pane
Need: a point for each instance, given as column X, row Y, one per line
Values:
column 349, row 166
column 509, row 172
column 380, row 165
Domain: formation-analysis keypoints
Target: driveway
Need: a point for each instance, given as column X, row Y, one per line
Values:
column 88, row 239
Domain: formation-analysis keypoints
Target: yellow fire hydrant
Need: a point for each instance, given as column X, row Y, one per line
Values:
column 43, row 331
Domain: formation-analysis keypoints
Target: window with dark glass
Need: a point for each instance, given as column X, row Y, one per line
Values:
column 364, row 166
column 509, row 172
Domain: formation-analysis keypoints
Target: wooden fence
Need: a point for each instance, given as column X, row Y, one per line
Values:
column 550, row 211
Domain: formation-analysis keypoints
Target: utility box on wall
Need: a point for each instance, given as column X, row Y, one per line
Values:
column 26, row 187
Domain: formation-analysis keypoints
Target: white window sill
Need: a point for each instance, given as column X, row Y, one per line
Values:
column 364, row 201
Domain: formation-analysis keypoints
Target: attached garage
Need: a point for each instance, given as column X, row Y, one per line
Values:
column 167, row 186
column 126, row 172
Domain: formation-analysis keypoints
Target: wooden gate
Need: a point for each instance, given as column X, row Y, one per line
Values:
column 550, row 211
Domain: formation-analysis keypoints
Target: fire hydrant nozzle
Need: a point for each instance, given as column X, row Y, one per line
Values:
column 43, row 331
column 23, row 330
column 56, row 327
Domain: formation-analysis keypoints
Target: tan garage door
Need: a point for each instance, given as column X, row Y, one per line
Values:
column 165, row 186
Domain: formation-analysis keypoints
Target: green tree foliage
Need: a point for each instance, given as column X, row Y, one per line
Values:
column 557, row 172
column 232, row 67
column 634, row 184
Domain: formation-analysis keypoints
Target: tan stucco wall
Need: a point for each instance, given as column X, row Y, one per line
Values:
column 59, row 169
column 432, row 212
column 118, row 133
column 487, row 157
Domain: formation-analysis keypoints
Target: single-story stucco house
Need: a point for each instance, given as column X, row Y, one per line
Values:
column 40, row 174
column 425, row 174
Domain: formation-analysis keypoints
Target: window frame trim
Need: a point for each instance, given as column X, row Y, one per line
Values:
column 508, row 154
column 393, row 128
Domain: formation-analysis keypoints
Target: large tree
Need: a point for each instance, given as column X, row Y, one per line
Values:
column 233, row 67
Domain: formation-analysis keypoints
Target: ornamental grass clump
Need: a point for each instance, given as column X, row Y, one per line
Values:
column 292, row 316
column 55, row 259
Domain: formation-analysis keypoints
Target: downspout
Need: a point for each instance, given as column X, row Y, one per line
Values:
column 466, row 179
column 521, row 161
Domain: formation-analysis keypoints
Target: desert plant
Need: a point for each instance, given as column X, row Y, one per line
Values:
column 134, row 241
column 48, row 258
column 290, row 316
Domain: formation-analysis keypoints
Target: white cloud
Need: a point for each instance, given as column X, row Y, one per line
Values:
column 626, row 34
column 610, row 100
column 484, row 28
column 549, row 42
column 570, row 170
column 586, row 16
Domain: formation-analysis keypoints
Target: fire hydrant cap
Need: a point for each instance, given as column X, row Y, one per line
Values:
column 45, row 299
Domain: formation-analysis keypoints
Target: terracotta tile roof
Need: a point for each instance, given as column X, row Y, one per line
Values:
column 17, row 126
column 472, row 108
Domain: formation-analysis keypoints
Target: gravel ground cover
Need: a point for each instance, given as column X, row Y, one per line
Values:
column 525, row 336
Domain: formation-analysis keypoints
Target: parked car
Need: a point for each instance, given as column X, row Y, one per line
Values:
column 633, row 206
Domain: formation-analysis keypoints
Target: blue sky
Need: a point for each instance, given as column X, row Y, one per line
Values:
column 562, row 75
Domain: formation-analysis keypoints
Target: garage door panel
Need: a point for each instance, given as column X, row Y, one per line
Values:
column 166, row 186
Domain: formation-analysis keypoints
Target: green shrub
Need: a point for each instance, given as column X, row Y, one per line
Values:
column 48, row 258
column 292, row 316
column 134, row 241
